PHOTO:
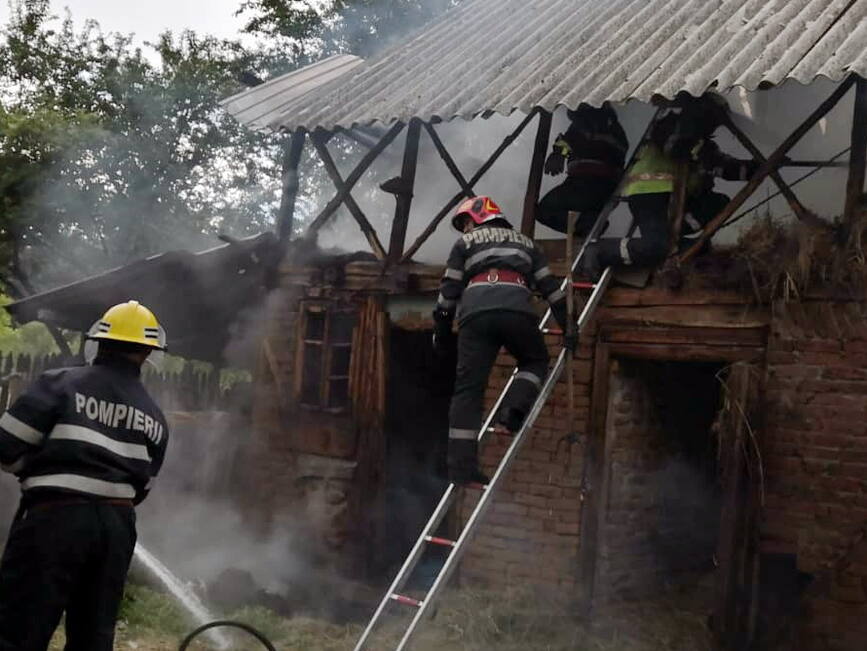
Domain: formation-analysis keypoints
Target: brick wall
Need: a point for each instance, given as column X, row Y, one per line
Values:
column 269, row 486
column 531, row 533
column 815, row 455
column 814, row 451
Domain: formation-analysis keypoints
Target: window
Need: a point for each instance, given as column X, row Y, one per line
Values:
column 325, row 351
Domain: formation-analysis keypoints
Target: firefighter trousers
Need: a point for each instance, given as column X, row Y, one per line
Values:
column 479, row 340
column 583, row 194
column 650, row 212
column 68, row 557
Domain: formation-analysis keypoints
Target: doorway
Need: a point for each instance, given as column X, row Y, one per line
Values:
column 674, row 476
column 661, row 522
column 418, row 395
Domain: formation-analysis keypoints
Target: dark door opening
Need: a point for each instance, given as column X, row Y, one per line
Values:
column 661, row 521
column 419, row 390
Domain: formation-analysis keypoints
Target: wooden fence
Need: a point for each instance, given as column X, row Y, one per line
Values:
column 189, row 390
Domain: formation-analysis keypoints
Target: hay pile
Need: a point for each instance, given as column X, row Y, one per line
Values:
column 775, row 261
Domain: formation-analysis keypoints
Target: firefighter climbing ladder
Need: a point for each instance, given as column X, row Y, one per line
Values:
column 457, row 547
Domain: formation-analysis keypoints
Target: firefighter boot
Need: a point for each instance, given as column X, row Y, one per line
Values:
column 463, row 459
column 601, row 254
column 509, row 421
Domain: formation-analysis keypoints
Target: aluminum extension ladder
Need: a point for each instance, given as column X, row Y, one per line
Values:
column 427, row 537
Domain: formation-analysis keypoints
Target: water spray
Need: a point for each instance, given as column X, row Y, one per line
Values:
column 182, row 594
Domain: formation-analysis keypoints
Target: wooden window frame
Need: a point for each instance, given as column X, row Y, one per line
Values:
column 326, row 378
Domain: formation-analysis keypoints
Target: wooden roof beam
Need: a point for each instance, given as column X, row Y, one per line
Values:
column 455, row 200
column 328, row 212
column 354, row 209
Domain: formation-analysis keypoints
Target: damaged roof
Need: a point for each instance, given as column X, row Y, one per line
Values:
column 198, row 297
column 503, row 55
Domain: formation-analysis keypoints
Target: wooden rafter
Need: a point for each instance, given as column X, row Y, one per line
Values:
column 858, row 157
column 677, row 205
column 353, row 178
column 797, row 207
column 537, row 171
column 448, row 160
column 772, row 164
column 460, row 195
column 354, row 209
column 289, row 184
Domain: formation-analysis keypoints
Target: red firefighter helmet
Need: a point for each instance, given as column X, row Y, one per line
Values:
column 479, row 209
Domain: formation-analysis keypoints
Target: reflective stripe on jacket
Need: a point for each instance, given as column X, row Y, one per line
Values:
column 90, row 430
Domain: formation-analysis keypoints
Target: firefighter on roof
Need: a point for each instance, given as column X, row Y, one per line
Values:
column 85, row 443
column 685, row 134
column 593, row 152
column 488, row 285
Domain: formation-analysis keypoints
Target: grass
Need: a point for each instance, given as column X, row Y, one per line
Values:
column 468, row 620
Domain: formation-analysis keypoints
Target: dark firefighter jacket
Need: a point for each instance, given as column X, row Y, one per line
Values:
column 594, row 142
column 89, row 430
column 493, row 247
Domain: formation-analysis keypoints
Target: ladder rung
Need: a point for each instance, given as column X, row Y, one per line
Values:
column 408, row 601
column 477, row 486
column 552, row 331
column 445, row 542
column 580, row 285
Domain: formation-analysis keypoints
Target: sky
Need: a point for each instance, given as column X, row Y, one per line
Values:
column 147, row 18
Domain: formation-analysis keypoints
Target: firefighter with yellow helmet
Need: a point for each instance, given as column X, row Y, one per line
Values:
column 85, row 443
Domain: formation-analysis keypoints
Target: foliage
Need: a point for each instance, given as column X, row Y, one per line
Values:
column 29, row 339
column 362, row 27
column 106, row 157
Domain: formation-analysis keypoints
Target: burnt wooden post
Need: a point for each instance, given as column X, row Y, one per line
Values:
column 289, row 189
column 677, row 205
column 404, row 198
column 770, row 165
column 537, row 171
column 858, row 157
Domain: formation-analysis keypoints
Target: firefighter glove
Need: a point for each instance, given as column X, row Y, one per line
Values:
column 570, row 340
column 442, row 331
column 555, row 164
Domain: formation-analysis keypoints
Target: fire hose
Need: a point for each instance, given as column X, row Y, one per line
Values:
column 227, row 623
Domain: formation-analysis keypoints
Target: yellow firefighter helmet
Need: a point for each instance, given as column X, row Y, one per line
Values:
column 130, row 322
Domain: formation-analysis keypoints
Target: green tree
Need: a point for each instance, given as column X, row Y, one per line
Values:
column 312, row 29
column 106, row 157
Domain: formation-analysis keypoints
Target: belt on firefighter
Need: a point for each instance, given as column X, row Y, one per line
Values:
column 71, row 501
column 499, row 276
column 590, row 167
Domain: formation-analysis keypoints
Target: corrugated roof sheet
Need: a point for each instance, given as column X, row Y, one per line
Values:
column 258, row 105
column 502, row 55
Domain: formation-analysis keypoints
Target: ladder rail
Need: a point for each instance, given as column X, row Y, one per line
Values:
column 409, row 564
column 483, row 504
